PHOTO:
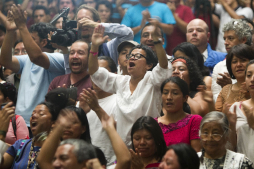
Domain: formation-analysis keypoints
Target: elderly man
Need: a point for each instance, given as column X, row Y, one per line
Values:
column 235, row 32
column 198, row 34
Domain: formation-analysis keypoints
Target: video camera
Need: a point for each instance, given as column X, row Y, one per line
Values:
column 68, row 34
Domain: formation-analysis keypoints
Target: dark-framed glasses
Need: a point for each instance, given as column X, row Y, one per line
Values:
column 215, row 137
column 135, row 56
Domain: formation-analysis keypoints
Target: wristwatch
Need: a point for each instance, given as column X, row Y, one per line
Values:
column 157, row 42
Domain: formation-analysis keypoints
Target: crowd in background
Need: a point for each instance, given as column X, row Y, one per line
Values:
column 127, row 84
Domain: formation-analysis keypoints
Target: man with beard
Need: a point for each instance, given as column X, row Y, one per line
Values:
column 78, row 77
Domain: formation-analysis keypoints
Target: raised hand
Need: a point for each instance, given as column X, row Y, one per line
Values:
column 5, row 115
column 90, row 98
column 171, row 6
column 93, row 164
column 85, row 22
column 108, row 124
column 136, row 160
column 66, row 118
column 231, row 115
column 249, row 113
column 10, row 23
column 224, row 80
column 207, row 94
column 19, row 16
column 98, row 36
column 146, row 14
column 82, row 102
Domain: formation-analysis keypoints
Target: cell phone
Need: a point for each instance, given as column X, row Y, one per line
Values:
column 2, row 105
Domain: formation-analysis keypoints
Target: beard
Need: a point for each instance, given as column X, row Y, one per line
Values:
column 80, row 36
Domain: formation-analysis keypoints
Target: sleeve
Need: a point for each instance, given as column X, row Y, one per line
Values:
column 218, row 9
column 216, row 88
column 3, row 148
column 158, row 74
column 168, row 17
column 195, row 124
column 22, row 131
column 188, row 15
column 12, row 150
column 219, row 103
column 56, row 61
column 118, row 33
column 105, row 80
column 22, row 60
column 66, row 64
column 246, row 12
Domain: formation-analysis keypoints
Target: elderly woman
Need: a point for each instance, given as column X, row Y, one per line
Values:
column 237, row 59
column 214, row 134
column 138, row 93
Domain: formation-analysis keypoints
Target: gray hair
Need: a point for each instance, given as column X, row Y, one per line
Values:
column 82, row 150
column 217, row 117
column 241, row 28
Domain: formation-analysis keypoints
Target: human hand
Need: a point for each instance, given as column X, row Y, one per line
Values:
column 226, row 107
column 244, row 90
column 90, row 98
column 231, row 115
column 136, row 160
column 207, row 94
column 249, row 112
column 19, row 16
column 93, row 164
column 85, row 22
column 6, row 114
column 98, row 36
column 171, row 5
column 64, row 86
column 146, row 14
column 82, row 102
column 66, row 118
column 109, row 123
column 224, row 80
column 154, row 21
column 119, row 3
column 10, row 23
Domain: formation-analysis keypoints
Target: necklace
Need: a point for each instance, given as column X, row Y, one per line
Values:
column 32, row 155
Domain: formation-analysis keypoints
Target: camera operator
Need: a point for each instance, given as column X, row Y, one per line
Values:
column 88, row 18
column 38, row 68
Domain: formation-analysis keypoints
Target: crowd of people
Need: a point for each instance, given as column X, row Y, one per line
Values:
column 127, row 84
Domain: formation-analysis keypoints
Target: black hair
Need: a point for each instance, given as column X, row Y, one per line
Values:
column 40, row 7
column 9, row 90
column 54, row 111
column 241, row 51
column 111, row 63
column 149, row 24
column 187, row 156
column 101, row 156
column 151, row 125
column 43, row 29
column 17, row 42
column 107, row 4
column 151, row 57
column 83, row 119
column 2, row 28
column 204, row 7
column 250, row 63
column 193, row 53
column 2, row 74
column 248, row 21
column 73, row 3
column 183, row 87
column 195, row 76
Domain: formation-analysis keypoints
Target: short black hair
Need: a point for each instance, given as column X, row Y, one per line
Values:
column 195, row 75
column 151, row 125
column 183, row 87
column 149, row 24
column 193, row 53
column 43, row 29
column 187, row 156
column 101, row 156
column 40, row 7
column 250, row 63
column 151, row 57
column 111, row 63
column 241, row 51
column 9, row 90
column 54, row 111
column 106, row 3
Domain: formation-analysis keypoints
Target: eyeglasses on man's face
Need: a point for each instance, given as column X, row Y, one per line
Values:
column 215, row 137
column 135, row 56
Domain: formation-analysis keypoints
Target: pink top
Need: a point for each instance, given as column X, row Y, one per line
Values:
column 21, row 131
column 183, row 131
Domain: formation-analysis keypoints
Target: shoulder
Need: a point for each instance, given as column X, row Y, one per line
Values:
column 195, row 118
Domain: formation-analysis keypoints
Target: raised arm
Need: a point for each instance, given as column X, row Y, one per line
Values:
column 230, row 10
column 6, row 58
column 33, row 50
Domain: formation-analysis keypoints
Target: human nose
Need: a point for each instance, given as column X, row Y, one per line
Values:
column 142, row 141
column 161, row 166
column 169, row 96
column 56, row 163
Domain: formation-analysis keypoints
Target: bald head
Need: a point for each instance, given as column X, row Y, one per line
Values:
column 198, row 34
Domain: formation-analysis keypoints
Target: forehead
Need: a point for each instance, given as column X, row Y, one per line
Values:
column 39, row 11
column 65, row 1
column 250, row 68
column 141, row 51
column 197, row 24
column 84, row 13
column 104, row 63
column 171, row 85
column 20, row 45
column 142, row 132
column 127, row 47
column 212, row 126
column 229, row 33
column 34, row 35
column 65, row 149
column 150, row 28
column 79, row 46
column 178, row 64
column 41, row 107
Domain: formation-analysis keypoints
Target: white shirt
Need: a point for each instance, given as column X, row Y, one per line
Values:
column 225, row 18
column 98, row 134
column 220, row 67
column 205, row 54
column 3, row 148
column 144, row 101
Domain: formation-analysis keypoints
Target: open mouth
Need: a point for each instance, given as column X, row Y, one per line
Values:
column 75, row 64
column 169, row 104
column 33, row 125
column 131, row 64
column 240, row 70
column 150, row 45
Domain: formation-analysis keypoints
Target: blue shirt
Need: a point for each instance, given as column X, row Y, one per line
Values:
column 35, row 81
column 133, row 16
column 24, row 148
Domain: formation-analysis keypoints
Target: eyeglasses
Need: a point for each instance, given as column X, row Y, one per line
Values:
column 136, row 56
column 215, row 137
